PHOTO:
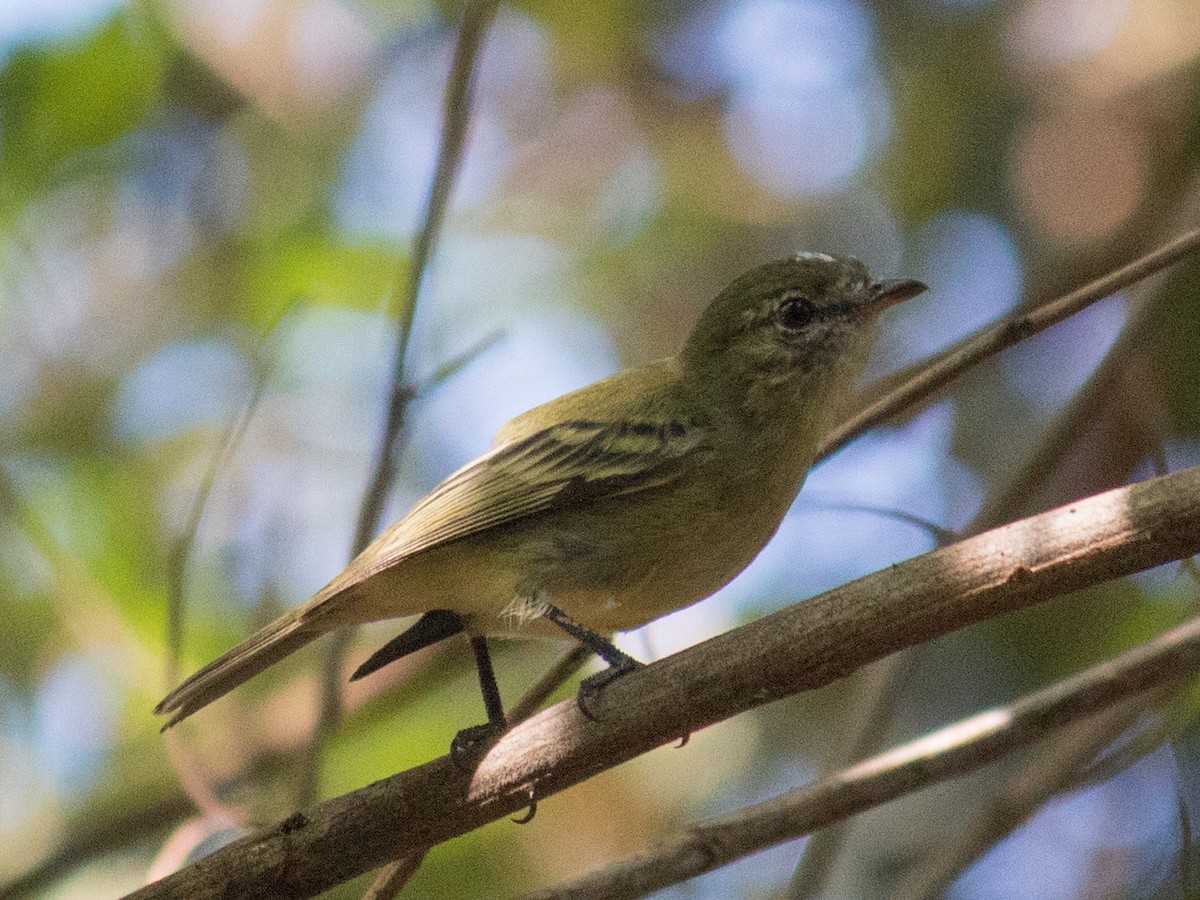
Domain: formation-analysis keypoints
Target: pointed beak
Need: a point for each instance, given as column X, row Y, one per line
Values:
column 888, row 293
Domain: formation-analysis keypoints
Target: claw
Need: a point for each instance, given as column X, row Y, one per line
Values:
column 529, row 813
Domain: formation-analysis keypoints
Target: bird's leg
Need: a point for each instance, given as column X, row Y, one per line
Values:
column 487, row 682
column 619, row 663
column 470, row 741
column 432, row 627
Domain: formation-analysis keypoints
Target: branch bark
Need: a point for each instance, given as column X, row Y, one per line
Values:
column 943, row 754
column 1055, row 768
column 800, row 648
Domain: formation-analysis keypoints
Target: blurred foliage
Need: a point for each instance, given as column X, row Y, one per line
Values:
column 61, row 102
column 177, row 181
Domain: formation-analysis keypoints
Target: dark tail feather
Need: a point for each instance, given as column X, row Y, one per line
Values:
column 434, row 626
column 285, row 635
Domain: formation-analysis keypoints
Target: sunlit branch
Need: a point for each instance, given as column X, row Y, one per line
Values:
column 805, row 646
column 1015, row 496
column 1054, row 768
column 820, row 854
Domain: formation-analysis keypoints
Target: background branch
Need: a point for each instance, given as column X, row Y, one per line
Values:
column 1055, row 768
column 180, row 552
column 1004, row 334
column 621, row 179
column 864, row 724
column 866, row 715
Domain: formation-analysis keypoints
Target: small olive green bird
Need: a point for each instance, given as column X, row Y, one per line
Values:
column 615, row 504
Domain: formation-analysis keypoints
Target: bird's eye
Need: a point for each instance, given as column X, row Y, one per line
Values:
column 795, row 312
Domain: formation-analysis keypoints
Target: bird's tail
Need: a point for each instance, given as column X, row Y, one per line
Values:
column 270, row 644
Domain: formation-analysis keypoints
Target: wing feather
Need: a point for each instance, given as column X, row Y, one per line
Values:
column 567, row 464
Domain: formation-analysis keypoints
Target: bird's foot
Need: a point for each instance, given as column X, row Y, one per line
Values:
column 471, row 743
column 591, row 686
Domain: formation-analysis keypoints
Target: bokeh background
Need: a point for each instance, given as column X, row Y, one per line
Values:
column 203, row 203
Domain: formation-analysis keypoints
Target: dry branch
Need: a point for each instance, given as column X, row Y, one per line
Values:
column 945, row 753
column 800, row 648
column 820, row 854
column 1054, row 768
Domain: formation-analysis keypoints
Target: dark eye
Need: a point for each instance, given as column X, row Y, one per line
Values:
column 795, row 312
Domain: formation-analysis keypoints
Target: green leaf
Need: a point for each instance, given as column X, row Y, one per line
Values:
column 57, row 102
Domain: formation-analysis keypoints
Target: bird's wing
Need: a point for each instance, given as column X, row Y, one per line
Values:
column 567, row 464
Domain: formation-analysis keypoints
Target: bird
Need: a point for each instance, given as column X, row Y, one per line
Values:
column 612, row 505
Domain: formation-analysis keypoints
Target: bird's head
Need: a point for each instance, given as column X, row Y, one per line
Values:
column 797, row 327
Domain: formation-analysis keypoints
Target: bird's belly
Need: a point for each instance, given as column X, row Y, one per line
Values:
column 624, row 576
column 611, row 566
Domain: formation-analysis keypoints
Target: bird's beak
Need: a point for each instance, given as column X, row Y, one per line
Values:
column 888, row 293
column 882, row 294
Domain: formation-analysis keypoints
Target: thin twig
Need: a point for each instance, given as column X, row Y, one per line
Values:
column 1023, row 492
column 88, row 837
column 1048, row 456
column 180, row 553
column 118, row 829
column 1148, row 740
column 456, row 364
column 1054, row 769
column 1004, row 334
column 862, row 729
column 802, row 647
column 394, row 876
column 947, row 753
column 88, row 615
column 568, row 663
column 456, row 112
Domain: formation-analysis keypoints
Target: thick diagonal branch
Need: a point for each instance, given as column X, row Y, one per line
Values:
column 800, row 648
column 943, row 754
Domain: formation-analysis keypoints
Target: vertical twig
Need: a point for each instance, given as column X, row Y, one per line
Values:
column 180, row 552
column 456, row 115
column 861, row 728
